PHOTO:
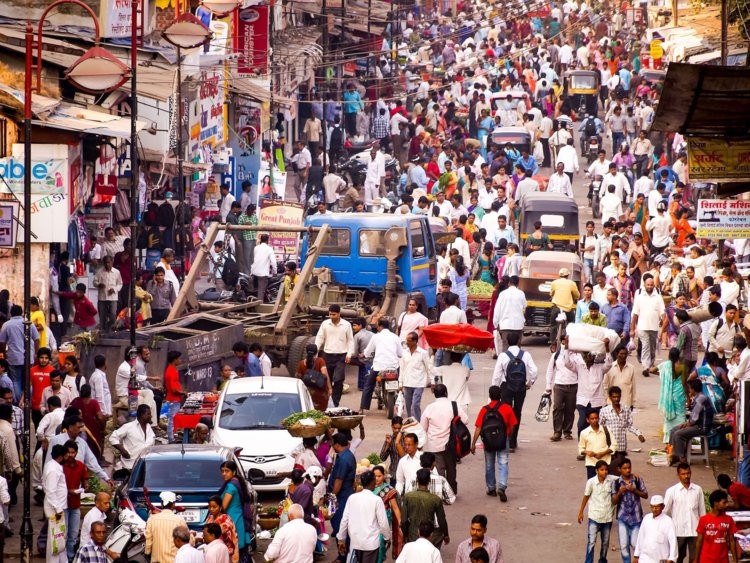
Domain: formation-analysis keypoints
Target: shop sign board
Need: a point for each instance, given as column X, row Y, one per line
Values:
column 723, row 218
column 206, row 122
column 116, row 18
column 719, row 160
column 279, row 213
column 8, row 225
column 251, row 40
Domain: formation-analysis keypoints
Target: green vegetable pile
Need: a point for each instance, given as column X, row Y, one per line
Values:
column 374, row 459
column 480, row 288
column 293, row 419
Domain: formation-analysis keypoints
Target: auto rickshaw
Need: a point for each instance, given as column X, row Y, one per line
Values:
column 538, row 270
column 559, row 217
column 518, row 137
column 582, row 87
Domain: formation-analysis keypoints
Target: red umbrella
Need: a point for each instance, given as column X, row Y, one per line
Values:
column 462, row 337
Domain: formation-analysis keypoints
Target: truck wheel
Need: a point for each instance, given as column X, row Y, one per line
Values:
column 297, row 353
column 390, row 404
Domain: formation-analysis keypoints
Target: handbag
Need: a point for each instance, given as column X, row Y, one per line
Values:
column 57, row 535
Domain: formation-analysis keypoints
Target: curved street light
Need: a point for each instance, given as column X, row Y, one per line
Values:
column 186, row 32
column 221, row 8
column 97, row 71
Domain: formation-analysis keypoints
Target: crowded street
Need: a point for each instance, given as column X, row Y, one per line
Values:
column 431, row 282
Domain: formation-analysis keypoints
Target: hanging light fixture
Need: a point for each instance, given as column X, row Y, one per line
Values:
column 186, row 32
column 97, row 71
column 221, row 8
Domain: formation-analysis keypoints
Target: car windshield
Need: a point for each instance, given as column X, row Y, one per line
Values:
column 257, row 410
column 178, row 474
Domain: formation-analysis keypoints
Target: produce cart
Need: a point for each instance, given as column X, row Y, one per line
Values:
column 196, row 406
column 479, row 299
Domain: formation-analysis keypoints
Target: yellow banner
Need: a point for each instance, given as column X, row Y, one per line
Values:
column 718, row 159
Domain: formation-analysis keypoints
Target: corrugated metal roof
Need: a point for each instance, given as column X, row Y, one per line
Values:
column 705, row 100
column 75, row 118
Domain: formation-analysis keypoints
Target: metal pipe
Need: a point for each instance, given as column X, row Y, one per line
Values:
column 27, row 531
column 180, row 156
column 134, row 166
column 724, row 31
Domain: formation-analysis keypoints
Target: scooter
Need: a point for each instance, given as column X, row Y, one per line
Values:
column 594, row 187
column 386, row 390
column 592, row 152
column 129, row 538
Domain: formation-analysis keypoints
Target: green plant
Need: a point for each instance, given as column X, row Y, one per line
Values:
column 94, row 485
column 374, row 459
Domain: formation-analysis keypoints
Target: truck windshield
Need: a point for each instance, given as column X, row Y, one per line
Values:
column 257, row 411
column 338, row 243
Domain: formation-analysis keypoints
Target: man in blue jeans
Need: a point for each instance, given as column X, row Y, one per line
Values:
column 495, row 445
column 11, row 343
column 627, row 492
column 598, row 495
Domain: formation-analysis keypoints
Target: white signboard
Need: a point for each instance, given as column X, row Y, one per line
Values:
column 723, row 218
column 264, row 180
column 116, row 18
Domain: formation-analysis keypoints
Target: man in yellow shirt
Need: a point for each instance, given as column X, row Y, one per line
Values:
column 291, row 278
column 564, row 295
column 37, row 317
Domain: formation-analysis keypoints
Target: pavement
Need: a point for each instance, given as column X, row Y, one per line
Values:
column 538, row 523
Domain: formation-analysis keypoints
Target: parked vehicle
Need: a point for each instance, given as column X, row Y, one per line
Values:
column 538, row 270
column 593, row 195
column 191, row 471
column 386, row 391
column 518, row 137
column 249, row 415
column 559, row 217
column 128, row 537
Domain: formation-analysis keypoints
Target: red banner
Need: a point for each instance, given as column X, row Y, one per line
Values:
column 251, row 40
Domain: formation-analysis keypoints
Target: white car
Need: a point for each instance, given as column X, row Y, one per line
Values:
column 249, row 416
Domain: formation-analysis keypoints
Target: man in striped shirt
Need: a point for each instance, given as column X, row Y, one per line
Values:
column 159, row 528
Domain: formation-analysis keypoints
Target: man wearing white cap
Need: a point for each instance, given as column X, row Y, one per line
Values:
column 656, row 538
column 159, row 527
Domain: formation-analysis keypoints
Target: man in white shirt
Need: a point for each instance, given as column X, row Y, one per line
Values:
column 452, row 314
column 559, row 182
column 408, row 465
column 730, row 289
column 656, row 536
column 509, row 315
column 385, row 349
column 364, row 521
column 513, row 391
column 214, row 549
column 132, row 438
column 375, row 173
column 684, row 502
column 611, row 205
column 96, row 514
column 186, row 553
column 436, row 421
column 55, row 496
column 564, row 383
column 462, row 246
column 648, row 313
column 100, row 387
column 415, row 373
column 660, row 227
column 503, row 232
column 568, row 156
column 421, row 550
column 487, row 197
column 600, row 166
column 264, row 266
column 490, row 220
column 442, row 204
column 335, row 342
column 526, row 184
column 295, row 541
column 616, row 179
column 644, row 185
column 227, row 199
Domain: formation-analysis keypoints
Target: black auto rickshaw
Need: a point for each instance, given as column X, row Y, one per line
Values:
column 558, row 215
column 582, row 87
column 538, row 270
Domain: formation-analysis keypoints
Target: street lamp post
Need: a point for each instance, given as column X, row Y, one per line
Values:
column 97, row 71
column 134, row 166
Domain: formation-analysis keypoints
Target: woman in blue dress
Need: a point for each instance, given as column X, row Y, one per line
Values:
column 232, row 499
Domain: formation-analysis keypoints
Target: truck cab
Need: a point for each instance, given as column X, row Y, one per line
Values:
column 361, row 245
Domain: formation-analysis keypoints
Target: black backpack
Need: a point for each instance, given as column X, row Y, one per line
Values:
column 515, row 373
column 337, row 138
column 314, row 379
column 590, row 128
column 494, row 433
column 230, row 274
column 459, row 442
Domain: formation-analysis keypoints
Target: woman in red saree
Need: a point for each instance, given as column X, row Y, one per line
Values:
column 217, row 515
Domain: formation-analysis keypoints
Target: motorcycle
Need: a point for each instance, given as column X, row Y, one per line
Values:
column 593, row 195
column 354, row 170
column 129, row 538
column 592, row 151
column 386, row 390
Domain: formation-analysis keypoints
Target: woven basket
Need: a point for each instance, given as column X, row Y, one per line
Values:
column 304, row 431
column 346, row 422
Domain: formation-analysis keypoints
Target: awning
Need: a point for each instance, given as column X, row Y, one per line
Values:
column 705, row 100
column 248, row 87
column 75, row 118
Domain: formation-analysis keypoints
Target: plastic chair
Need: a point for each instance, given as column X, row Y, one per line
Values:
column 702, row 453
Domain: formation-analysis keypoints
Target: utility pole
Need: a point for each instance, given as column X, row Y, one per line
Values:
column 675, row 15
column 323, row 122
column 724, row 31
column 369, row 20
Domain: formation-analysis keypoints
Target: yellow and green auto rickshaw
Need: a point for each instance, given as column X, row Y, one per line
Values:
column 582, row 87
column 559, row 217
